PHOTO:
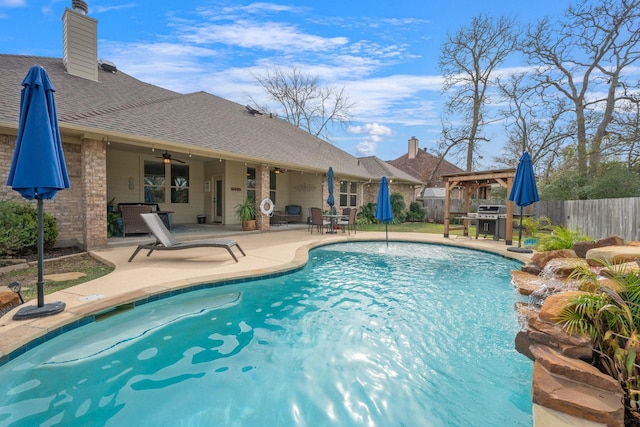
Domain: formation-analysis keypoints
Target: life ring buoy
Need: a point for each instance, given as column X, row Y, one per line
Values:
column 266, row 207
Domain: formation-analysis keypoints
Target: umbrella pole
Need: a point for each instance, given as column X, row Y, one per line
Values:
column 386, row 232
column 40, row 254
column 520, row 230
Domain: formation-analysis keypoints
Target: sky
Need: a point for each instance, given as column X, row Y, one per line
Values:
column 384, row 53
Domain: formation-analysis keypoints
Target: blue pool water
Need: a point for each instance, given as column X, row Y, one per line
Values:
column 364, row 335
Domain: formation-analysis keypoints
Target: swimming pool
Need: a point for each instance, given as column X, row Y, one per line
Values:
column 415, row 334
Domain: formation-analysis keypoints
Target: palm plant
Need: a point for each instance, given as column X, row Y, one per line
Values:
column 611, row 318
column 560, row 238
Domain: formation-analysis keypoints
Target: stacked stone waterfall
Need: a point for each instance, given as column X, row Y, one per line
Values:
column 564, row 380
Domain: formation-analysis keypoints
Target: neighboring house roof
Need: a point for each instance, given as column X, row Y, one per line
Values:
column 119, row 104
column 380, row 168
column 422, row 165
column 434, row 193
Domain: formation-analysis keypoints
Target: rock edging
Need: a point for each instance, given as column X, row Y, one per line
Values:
column 564, row 380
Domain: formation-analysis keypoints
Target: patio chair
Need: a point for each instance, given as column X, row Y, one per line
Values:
column 132, row 223
column 294, row 213
column 350, row 222
column 166, row 242
column 317, row 220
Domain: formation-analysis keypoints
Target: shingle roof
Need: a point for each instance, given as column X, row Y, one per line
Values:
column 421, row 166
column 379, row 168
column 121, row 104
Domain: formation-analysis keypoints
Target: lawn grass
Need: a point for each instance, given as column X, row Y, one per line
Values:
column 28, row 277
column 414, row 227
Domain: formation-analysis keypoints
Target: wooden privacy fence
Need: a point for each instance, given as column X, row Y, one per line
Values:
column 595, row 218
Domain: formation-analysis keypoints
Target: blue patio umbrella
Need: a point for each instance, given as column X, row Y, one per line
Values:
column 523, row 192
column 330, row 199
column 38, row 169
column 383, row 207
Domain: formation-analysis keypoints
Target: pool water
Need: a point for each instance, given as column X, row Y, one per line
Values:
column 364, row 335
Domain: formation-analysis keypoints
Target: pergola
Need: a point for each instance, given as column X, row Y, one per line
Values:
column 471, row 182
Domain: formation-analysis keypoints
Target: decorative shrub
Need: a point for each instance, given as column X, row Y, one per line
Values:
column 417, row 212
column 367, row 214
column 19, row 228
column 398, row 207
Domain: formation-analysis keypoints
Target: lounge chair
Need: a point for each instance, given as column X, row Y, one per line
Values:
column 166, row 242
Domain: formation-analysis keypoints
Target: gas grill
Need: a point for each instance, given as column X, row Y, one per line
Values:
column 492, row 220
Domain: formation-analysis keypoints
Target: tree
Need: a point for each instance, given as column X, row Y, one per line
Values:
column 531, row 124
column 585, row 56
column 304, row 103
column 468, row 60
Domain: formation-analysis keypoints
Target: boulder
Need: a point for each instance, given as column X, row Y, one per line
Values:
column 574, row 369
column 555, row 303
column 581, row 248
column 8, row 299
column 563, row 267
column 612, row 255
column 624, row 268
column 575, row 398
column 542, row 258
column 526, row 283
column 532, row 268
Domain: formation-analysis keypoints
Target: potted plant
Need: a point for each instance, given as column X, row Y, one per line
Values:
column 114, row 224
column 246, row 211
column 111, row 205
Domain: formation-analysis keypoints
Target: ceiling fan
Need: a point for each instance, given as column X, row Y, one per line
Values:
column 166, row 158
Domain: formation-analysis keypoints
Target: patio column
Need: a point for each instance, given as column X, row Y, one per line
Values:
column 94, row 192
column 262, row 192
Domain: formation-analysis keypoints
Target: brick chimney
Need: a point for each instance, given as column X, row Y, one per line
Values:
column 413, row 147
column 80, row 41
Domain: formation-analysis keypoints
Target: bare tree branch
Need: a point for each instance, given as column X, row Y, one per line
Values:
column 303, row 102
column 467, row 60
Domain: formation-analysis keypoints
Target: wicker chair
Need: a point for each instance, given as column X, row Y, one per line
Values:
column 132, row 221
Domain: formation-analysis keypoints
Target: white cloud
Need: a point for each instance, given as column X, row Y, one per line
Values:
column 103, row 9
column 374, row 135
column 366, row 148
column 265, row 36
column 370, row 129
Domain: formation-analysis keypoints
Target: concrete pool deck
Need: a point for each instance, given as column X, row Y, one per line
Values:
column 266, row 253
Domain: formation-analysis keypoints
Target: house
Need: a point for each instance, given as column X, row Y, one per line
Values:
column 426, row 168
column 192, row 154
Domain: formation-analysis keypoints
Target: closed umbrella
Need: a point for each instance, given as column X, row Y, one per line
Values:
column 384, row 213
column 38, row 169
column 330, row 199
column 523, row 192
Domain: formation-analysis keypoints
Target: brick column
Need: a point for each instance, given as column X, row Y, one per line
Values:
column 262, row 192
column 94, row 192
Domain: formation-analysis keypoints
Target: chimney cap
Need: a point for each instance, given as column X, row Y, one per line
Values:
column 80, row 5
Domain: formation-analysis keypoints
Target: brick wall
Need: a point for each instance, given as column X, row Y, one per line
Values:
column 94, row 170
column 66, row 207
column 262, row 192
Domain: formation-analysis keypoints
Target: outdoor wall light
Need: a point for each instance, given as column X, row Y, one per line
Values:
column 16, row 287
